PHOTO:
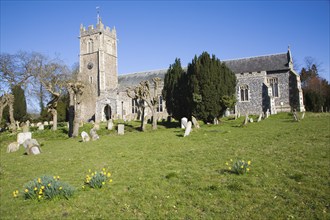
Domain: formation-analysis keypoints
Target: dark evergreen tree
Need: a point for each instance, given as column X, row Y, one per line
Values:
column 174, row 90
column 20, row 113
column 211, row 84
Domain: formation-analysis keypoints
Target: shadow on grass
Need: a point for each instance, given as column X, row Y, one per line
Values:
column 223, row 171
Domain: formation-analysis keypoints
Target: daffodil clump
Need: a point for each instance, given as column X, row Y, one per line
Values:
column 239, row 166
column 97, row 179
column 46, row 187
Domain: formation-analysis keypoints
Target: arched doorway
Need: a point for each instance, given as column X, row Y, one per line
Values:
column 107, row 112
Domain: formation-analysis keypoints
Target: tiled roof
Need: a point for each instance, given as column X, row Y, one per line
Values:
column 275, row 62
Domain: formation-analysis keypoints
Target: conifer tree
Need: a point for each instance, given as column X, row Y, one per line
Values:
column 19, row 103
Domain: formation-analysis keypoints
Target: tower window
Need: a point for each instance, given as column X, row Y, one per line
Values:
column 90, row 46
column 160, row 104
column 273, row 82
column 244, row 93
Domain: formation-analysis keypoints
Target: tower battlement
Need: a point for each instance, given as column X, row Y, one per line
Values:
column 100, row 28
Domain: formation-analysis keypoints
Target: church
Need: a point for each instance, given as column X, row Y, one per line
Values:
column 264, row 83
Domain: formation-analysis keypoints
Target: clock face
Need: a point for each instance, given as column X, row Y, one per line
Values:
column 90, row 65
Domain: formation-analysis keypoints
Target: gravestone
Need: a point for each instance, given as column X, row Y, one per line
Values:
column 303, row 115
column 85, row 137
column 97, row 126
column 28, row 123
column 195, row 122
column 25, row 128
column 110, row 124
column 260, row 117
column 12, row 147
column 21, row 137
column 38, row 124
column 267, row 113
column 32, row 125
column 251, row 120
column 93, row 134
column 51, row 122
column 184, row 122
column 32, row 147
column 188, row 129
column 215, row 121
column 121, row 129
column 41, row 127
column 295, row 116
column 246, row 120
column 46, row 123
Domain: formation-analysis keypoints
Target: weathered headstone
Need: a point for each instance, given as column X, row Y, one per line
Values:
column 110, row 124
column 195, row 122
column 303, row 115
column 260, row 117
column 295, row 116
column 46, row 123
column 97, row 126
column 94, row 135
column 188, row 129
column 51, row 122
column 215, row 121
column 28, row 123
column 85, row 137
column 32, row 125
column 267, row 113
column 21, row 137
column 41, row 127
column 246, row 120
column 32, row 147
column 38, row 124
column 251, row 120
column 25, row 128
column 12, row 147
column 121, row 129
column 184, row 122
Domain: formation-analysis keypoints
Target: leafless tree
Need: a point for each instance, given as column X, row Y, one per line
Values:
column 143, row 94
column 76, row 91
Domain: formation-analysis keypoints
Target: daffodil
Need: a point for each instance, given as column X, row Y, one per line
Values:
column 103, row 183
column 247, row 169
column 227, row 163
column 110, row 181
column 60, row 188
column 103, row 169
column 42, row 187
column 39, row 180
column 49, row 185
column 249, row 162
column 26, row 190
column 35, row 188
column 109, row 174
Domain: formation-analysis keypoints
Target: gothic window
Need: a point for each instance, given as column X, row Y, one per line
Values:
column 90, row 45
column 160, row 104
column 273, row 82
column 134, row 106
column 244, row 93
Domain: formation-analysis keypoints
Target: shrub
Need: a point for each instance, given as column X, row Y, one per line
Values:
column 46, row 187
column 239, row 167
column 97, row 179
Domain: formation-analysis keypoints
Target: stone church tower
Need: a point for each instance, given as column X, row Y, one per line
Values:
column 98, row 71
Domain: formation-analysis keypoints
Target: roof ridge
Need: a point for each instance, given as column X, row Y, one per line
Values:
column 132, row 73
column 245, row 58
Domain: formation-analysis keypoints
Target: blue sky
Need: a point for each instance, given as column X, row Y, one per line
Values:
column 153, row 33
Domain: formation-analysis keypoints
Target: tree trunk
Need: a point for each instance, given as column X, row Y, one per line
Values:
column 11, row 116
column 154, row 118
column 54, row 113
column 76, row 122
column 142, row 127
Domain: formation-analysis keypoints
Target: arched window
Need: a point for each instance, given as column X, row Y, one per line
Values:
column 244, row 93
column 134, row 106
column 160, row 104
column 90, row 45
column 273, row 82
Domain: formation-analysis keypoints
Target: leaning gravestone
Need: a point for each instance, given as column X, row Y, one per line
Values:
column 246, row 120
column 110, row 124
column 12, row 147
column 184, row 122
column 260, row 117
column 195, row 122
column 303, row 115
column 21, row 137
column 32, row 147
column 121, row 129
column 93, row 134
column 85, row 136
column 188, row 129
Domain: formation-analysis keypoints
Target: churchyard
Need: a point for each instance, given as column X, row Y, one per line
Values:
column 163, row 175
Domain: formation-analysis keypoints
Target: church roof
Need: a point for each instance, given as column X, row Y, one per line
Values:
column 134, row 79
column 275, row 62
column 269, row 63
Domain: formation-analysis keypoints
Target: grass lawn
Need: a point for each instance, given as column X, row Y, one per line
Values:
column 161, row 175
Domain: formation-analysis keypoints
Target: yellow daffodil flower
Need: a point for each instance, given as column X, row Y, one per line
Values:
column 26, row 190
